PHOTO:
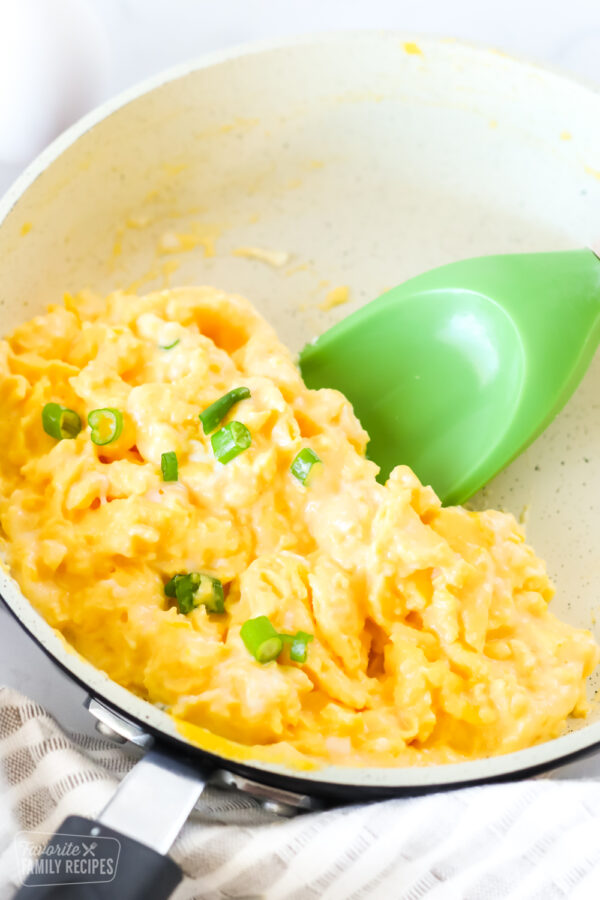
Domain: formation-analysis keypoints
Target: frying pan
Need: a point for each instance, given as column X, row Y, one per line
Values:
column 368, row 157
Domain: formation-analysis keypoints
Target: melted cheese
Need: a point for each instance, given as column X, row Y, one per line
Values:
column 433, row 641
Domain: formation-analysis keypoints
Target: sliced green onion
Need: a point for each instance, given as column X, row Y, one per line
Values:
column 106, row 425
column 169, row 346
column 169, row 466
column 171, row 586
column 299, row 648
column 261, row 639
column 60, row 422
column 303, row 463
column 299, row 642
column 230, row 441
column 196, row 589
column 216, row 412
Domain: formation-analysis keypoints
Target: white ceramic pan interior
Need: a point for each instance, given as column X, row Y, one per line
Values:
column 368, row 158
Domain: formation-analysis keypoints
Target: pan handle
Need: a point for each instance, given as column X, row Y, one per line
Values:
column 138, row 872
column 122, row 855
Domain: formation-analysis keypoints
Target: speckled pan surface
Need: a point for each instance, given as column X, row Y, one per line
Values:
column 368, row 158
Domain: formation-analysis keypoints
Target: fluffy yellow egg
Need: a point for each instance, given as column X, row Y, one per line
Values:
column 430, row 638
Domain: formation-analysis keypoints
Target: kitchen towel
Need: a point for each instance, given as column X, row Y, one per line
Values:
column 530, row 840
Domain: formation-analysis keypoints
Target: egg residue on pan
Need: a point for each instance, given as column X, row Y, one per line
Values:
column 216, row 541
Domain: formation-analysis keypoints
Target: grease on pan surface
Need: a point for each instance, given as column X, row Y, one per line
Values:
column 433, row 641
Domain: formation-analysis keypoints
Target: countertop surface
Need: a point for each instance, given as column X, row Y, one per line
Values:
column 144, row 36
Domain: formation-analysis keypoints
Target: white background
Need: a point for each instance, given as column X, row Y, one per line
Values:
column 136, row 38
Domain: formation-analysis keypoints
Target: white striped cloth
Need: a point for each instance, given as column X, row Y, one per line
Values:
column 534, row 840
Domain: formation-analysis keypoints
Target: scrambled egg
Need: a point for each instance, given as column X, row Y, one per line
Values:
column 432, row 638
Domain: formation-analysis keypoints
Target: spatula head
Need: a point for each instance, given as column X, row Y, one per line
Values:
column 456, row 371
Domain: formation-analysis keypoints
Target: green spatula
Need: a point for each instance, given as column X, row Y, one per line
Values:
column 456, row 371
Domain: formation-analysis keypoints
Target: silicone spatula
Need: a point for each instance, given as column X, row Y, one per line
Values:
column 456, row 371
